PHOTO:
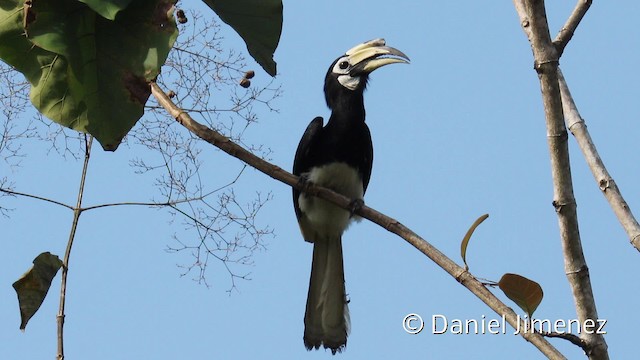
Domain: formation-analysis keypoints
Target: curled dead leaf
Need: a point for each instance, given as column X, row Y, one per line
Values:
column 527, row 294
column 32, row 287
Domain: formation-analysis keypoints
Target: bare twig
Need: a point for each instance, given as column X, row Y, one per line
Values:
column 392, row 225
column 67, row 254
column 204, row 75
column 93, row 207
column 572, row 338
column 14, row 100
column 11, row 192
column 133, row 203
column 533, row 19
column 607, row 185
column 567, row 31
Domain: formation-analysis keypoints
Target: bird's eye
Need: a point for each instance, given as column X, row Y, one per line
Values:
column 343, row 65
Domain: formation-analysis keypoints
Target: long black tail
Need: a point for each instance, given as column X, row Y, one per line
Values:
column 326, row 321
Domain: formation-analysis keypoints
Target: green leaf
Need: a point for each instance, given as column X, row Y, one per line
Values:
column 467, row 237
column 32, row 287
column 258, row 22
column 15, row 49
column 107, row 8
column 527, row 294
column 87, row 72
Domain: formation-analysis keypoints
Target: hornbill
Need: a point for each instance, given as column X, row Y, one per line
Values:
column 338, row 156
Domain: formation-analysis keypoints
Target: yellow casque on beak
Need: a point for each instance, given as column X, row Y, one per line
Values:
column 373, row 55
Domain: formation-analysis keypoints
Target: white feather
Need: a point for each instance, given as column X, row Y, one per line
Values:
column 348, row 81
column 322, row 215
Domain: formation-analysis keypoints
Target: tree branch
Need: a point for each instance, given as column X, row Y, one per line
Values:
column 461, row 275
column 607, row 185
column 567, row 31
column 67, row 254
column 533, row 19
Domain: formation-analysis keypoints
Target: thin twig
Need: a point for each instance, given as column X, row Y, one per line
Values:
column 67, row 254
column 392, row 225
column 533, row 19
column 93, row 207
column 130, row 203
column 572, row 338
column 607, row 185
column 569, row 28
column 11, row 192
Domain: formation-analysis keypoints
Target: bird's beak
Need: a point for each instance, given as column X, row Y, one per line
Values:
column 373, row 54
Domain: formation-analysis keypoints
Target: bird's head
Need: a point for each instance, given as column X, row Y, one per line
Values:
column 349, row 73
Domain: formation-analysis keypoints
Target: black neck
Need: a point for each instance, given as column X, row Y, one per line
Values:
column 347, row 109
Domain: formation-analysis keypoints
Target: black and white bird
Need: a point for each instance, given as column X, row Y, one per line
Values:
column 338, row 156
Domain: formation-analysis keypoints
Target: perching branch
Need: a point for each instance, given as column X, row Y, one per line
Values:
column 575, row 124
column 533, row 20
column 392, row 225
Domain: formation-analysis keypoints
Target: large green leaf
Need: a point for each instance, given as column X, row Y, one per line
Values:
column 107, row 8
column 35, row 63
column 258, row 22
column 87, row 72
column 15, row 49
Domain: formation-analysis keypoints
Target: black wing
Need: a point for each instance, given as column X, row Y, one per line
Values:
column 367, row 160
column 303, row 159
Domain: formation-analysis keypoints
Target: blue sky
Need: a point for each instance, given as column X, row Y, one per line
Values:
column 457, row 133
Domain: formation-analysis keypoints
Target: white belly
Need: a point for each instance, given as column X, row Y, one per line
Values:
column 322, row 215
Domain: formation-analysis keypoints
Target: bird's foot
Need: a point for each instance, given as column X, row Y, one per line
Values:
column 355, row 205
column 304, row 182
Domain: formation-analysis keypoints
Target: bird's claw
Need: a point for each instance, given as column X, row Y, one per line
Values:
column 355, row 205
column 304, row 182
